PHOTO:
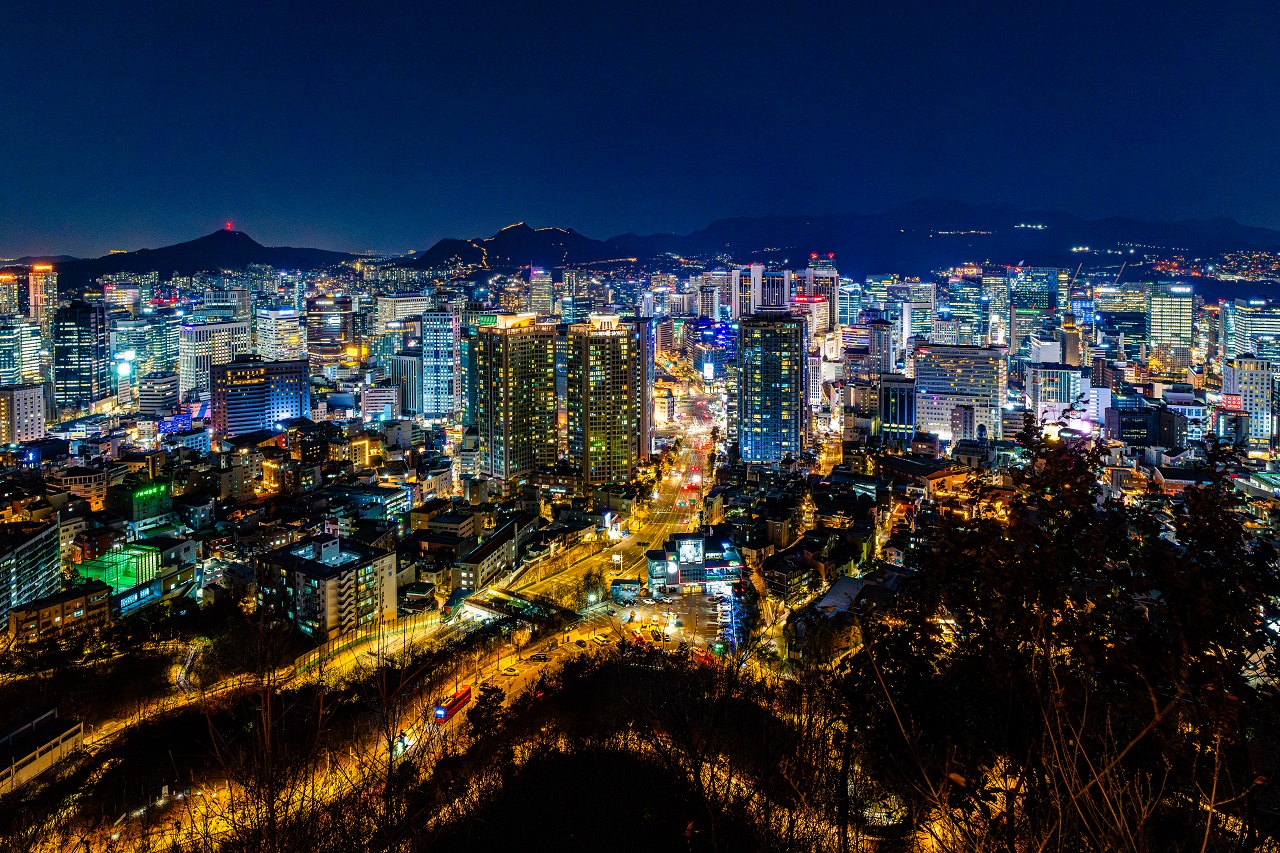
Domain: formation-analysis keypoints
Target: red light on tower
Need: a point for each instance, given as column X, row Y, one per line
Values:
column 229, row 226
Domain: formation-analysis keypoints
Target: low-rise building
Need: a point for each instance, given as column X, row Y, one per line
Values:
column 82, row 608
column 33, row 747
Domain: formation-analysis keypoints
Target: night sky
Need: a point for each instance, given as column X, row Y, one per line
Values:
column 386, row 126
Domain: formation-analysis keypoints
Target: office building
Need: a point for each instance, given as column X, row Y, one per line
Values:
column 81, row 358
column 380, row 403
column 771, row 392
column 250, row 394
column 441, row 367
column 202, row 346
column 406, row 374
column 516, row 396
column 278, row 332
column 1247, row 386
column 542, row 294
column 158, row 394
column 880, row 347
column 897, row 408
column 232, row 304
column 20, row 346
column 30, row 563
column 950, row 376
column 605, row 398
column 21, row 413
column 330, row 330
column 397, row 306
column 1170, row 326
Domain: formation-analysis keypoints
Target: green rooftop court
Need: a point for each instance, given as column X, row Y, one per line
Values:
column 123, row 567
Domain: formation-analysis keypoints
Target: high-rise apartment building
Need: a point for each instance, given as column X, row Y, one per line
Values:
column 950, row 376
column 516, row 395
column 9, row 301
column 81, row 357
column 30, row 565
column 771, row 392
column 279, row 335
column 607, row 397
column 201, row 346
column 250, row 393
column 42, row 299
column 21, row 413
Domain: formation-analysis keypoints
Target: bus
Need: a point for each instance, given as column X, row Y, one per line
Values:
column 451, row 705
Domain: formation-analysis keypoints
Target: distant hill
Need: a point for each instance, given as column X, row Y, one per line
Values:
column 914, row 238
column 516, row 246
column 222, row 249
column 33, row 259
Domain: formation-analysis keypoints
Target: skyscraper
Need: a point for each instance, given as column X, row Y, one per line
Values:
column 42, row 289
column 441, row 385
column 1170, row 320
column 330, row 330
column 542, row 295
column 279, row 333
column 19, row 351
column 606, row 398
column 880, row 347
column 250, row 394
column 81, row 357
column 516, row 395
column 201, row 346
column 771, row 379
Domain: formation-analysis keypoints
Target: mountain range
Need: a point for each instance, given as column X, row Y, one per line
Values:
column 912, row 239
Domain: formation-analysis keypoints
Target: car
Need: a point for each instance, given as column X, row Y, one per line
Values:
column 599, row 641
column 657, row 636
column 611, row 611
column 582, row 644
column 510, row 671
column 540, row 658
column 649, row 602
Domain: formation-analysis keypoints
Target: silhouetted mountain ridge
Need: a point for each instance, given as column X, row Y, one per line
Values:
column 913, row 238
column 223, row 249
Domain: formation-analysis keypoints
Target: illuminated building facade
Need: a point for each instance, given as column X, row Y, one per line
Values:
column 516, row 395
column 250, row 394
column 771, row 386
column 202, row 346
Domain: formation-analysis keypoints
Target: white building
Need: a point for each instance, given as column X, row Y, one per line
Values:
column 201, row 346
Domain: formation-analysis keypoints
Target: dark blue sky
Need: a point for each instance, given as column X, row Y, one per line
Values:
column 382, row 125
